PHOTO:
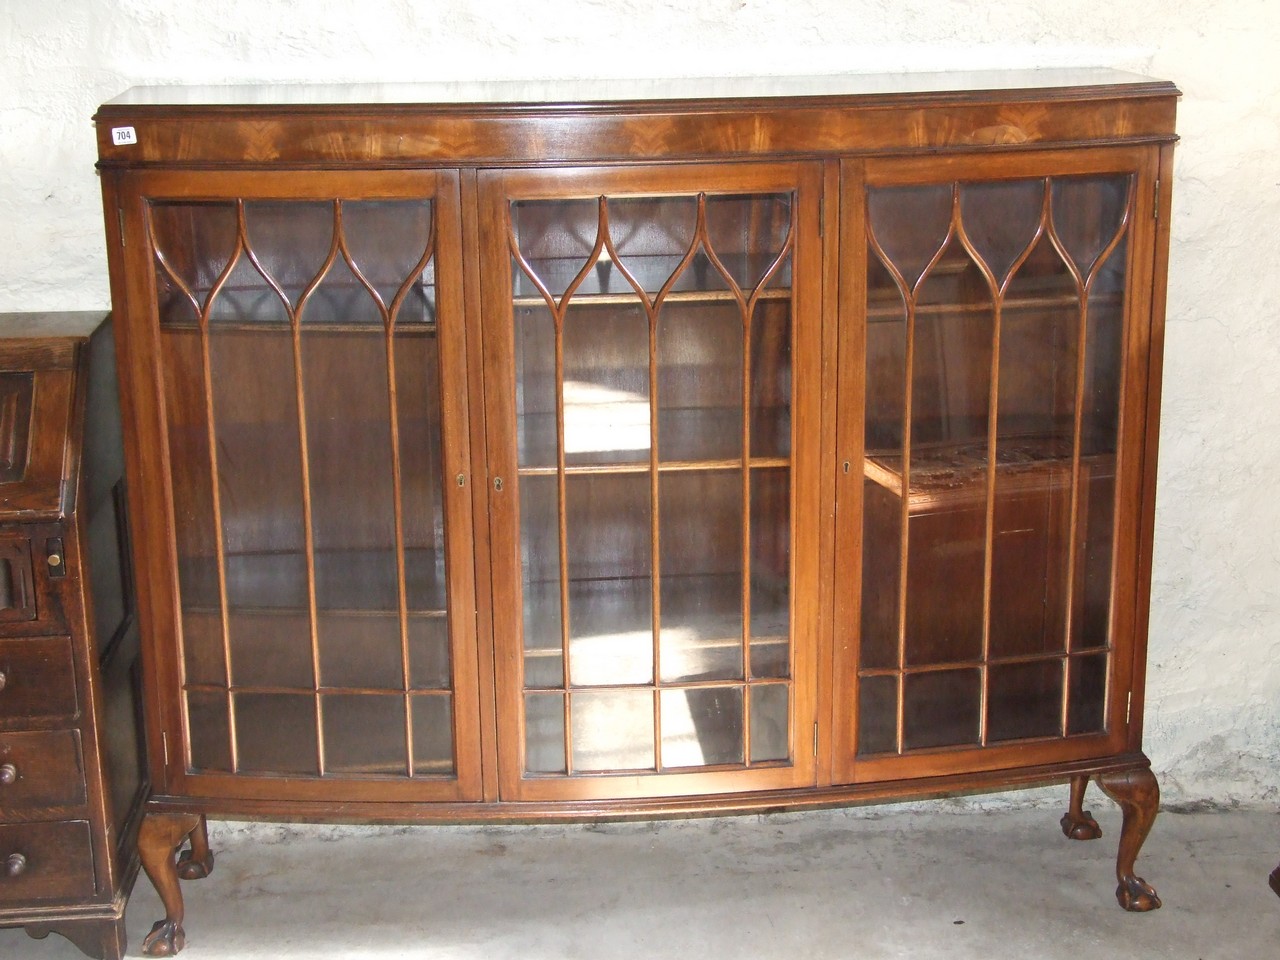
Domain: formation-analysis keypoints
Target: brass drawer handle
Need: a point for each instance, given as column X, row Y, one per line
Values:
column 4, row 679
column 8, row 774
column 15, row 865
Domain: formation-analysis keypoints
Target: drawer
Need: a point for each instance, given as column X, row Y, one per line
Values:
column 40, row 770
column 46, row 861
column 37, row 681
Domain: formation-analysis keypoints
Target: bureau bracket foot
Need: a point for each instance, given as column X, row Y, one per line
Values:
column 1138, row 794
column 159, row 838
column 1078, row 823
column 1274, row 880
column 100, row 939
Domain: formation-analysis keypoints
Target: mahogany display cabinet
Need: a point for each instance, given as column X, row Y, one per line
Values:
column 72, row 772
column 533, row 451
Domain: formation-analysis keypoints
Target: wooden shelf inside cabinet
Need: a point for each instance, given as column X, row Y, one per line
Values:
column 946, row 474
column 496, row 455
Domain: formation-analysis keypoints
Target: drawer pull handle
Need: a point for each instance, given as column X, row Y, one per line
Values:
column 8, row 774
column 4, row 679
column 15, row 865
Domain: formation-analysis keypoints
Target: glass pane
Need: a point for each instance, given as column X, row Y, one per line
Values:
column 770, row 721
column 612, row 729
column 606, row 385
column 291, row 241
column 555, row 237
column 910, row 225
column 1000, row 220
column 540, row 580
column 877, row 715
column 360, row 649
column 1024, row 700
column 202, row 650
column 945, row 550
column 1091, row 625
column 429, row 652
column 651, row 235
column 941, row 708
column 210, row 731
column 349, row 447
column 387, row 240
column 260, row 492
column 364, row 734
column 701, row 539
column 610, row 587
column 701, row 727
column 535, row 389
column 770, row 572
column 881, row 566
column 748, row 234
column 612, row 631
column 432, row 735
column 1029, row 561
column 699, row 382
column 422, row 479
column 1088, row 212
column 544, row 733
column 271, row 648
column 1087, row 707
column 771, row 379
column 276, row 733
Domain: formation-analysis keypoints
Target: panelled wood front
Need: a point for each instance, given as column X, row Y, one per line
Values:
column 309, row 372
column 651, row 347
column 991, row 532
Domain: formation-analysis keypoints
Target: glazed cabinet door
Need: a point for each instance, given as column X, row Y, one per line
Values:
column 651, row 378
column 996, row 313
column 295, row 350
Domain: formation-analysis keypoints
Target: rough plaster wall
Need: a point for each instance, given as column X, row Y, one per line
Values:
column 1214, row 679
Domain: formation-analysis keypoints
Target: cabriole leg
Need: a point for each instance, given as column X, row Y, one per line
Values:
column 159, row 838
column 1077, row 822
column 1138, row 794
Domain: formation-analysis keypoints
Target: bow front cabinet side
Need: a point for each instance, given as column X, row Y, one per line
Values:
column 562, row 452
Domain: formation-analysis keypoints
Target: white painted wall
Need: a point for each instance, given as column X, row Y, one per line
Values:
column 1214, row 684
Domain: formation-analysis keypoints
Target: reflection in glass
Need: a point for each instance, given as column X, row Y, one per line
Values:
column 700, row 534
column 701, row 726
column 613, row 729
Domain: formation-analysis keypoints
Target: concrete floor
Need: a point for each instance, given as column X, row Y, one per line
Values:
column 924, row 883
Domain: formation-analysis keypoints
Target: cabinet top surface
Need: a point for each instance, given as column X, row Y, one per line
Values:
column 50, row 325
column 506, row 94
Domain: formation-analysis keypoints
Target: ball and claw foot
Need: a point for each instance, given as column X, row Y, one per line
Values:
column 191, row 868
column 166, row 939
column 1081, row 827
column 1137, row 896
